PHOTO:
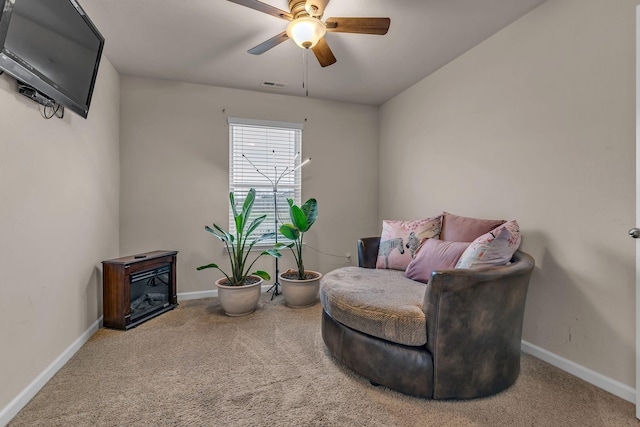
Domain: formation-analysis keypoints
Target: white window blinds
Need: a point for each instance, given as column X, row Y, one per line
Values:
column 266, row 156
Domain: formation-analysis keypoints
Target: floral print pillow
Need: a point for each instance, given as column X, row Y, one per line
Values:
column 493, row 248
column 400, row 240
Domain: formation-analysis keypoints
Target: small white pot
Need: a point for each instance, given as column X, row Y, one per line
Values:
column 300, row 293
column 239, row 300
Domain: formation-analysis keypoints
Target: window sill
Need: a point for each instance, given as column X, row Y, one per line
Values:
column 263, row 246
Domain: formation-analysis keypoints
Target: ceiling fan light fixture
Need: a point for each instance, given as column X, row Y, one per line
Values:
column 306, row 31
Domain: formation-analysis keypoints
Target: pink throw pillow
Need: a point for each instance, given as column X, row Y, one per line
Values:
column 435, row 255
column 465, row 229
column 493, row 248
column 400, row 240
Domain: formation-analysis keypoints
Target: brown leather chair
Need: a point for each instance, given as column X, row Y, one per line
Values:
column 473, row 331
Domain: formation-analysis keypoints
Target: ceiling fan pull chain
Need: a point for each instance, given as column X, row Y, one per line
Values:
column 305, row 72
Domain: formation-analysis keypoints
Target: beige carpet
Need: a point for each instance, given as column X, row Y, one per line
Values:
column 194, row 366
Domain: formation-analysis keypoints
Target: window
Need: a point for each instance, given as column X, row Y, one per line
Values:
column 265, row 155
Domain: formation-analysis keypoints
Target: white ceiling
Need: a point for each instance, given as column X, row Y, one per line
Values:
column 206, row 42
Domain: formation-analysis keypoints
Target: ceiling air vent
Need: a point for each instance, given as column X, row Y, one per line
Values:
column 273, row 84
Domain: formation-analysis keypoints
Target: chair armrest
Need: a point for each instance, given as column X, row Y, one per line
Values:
column 368, row 251
column 474, row 327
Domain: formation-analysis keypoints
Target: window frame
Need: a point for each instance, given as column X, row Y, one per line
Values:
column 252, row 168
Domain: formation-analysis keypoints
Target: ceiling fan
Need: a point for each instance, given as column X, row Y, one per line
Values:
column 307, row 30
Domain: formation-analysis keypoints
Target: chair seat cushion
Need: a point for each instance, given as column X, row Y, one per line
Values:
column 381, row 303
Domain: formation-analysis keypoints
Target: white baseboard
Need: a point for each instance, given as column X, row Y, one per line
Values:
column 21, row 400
column 612, row 386
column 184, row 296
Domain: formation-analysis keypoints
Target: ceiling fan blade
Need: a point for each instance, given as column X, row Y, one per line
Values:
column 266, row 45
column 378, row 26
column 272, row 42
column 323, row 53
column 263, row 7
column 316, row 7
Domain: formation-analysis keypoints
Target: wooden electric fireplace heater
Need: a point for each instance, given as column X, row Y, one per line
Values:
column 137, row 288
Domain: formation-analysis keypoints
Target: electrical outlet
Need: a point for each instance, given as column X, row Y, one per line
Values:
column 347, row 257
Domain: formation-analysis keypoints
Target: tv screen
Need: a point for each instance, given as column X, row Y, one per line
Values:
column 53, row 46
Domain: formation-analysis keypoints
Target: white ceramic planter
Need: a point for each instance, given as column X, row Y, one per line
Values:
column 300, row 293
column 239, row 300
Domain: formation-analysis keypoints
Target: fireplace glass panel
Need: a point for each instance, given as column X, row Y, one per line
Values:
column 149, row 291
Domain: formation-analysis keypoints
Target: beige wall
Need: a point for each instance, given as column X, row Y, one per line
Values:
column 58, row 220
column 174, row 169
column 537, row 123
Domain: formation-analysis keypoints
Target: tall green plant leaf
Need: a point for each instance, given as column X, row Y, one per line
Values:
column 216, row 233
column 239, row 220
column 227, row 235
column 203, row 267
column 310, row 210
column 242, row 217
column 262, row 274
column 255, row 224
column 273, row 252
column 290, row 231
column 299, row 219
column 258, row 239
column 232, row 201
column 248, row 203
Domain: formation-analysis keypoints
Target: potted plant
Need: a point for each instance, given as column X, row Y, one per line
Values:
column 300, row 286
column 239, row 291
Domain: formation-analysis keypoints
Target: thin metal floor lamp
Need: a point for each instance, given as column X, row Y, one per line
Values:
column 275, row 288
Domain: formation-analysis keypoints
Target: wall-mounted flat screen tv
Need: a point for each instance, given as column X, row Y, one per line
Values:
column 52, row 46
